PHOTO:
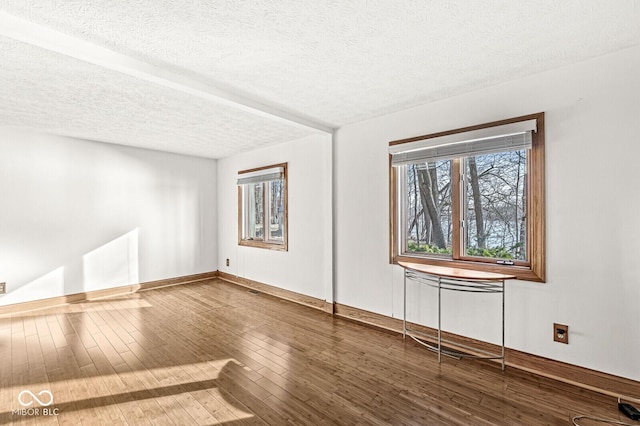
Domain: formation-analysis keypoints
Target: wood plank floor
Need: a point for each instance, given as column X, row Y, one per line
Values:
column 213, row 353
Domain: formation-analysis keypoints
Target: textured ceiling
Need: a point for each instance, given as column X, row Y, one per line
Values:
column 336, row 62
column 64, row 96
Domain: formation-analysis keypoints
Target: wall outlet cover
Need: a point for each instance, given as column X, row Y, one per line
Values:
column 561, row 333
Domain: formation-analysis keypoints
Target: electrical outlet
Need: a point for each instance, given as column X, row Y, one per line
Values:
column 3, row 288
column 227, row 262
column 561, row 333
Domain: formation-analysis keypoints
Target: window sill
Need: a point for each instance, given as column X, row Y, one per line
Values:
column 521, row 272
column 264, row 245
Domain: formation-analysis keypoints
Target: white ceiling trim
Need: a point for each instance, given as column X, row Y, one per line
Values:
column 37, row 35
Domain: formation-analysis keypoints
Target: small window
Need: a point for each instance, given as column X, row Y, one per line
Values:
column 472, row 198
column 262, row 207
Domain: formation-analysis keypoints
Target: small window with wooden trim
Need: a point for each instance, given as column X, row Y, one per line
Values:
column 262, row 207
column 472, row 198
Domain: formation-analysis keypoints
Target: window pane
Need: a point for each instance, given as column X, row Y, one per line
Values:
column 495, row 205
column 255, row 214
column 428, row 227
column 276, row 210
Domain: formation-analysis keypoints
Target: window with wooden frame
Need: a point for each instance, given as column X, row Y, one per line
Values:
column 471, row 198
column 262, row 207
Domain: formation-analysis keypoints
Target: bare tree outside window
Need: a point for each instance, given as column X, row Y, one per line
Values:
column 429, row 207
column 495, row 205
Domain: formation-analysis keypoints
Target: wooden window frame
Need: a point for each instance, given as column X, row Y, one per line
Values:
column 535, row 268
column 265, row 244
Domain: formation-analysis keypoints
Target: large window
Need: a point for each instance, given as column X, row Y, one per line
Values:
column 262, row 207
column 472, row 198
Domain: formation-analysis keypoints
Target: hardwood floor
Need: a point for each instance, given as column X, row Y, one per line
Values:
column 214, row 353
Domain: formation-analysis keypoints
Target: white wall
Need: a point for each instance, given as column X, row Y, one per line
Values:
column 307, row 266
column 593, row 233
column 78, row 216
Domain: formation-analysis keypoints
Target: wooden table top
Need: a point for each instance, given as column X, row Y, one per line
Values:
column 461, row 274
